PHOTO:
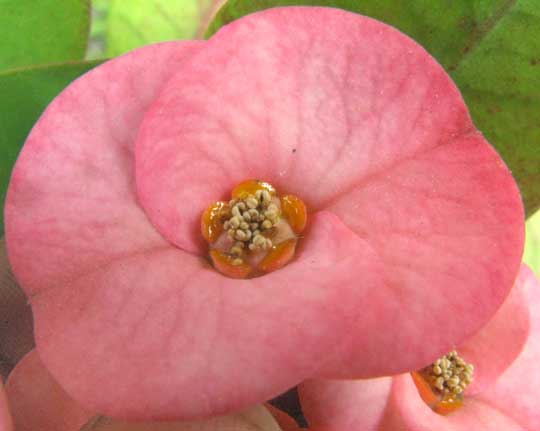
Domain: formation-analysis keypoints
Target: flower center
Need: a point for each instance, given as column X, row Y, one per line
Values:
column 256, row 232
column 442, row 383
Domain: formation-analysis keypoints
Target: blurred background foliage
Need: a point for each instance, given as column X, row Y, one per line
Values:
column 119, row 26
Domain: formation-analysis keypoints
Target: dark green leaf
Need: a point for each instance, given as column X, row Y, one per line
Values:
column 25, row 93
column 491, row 48
column 42, row 31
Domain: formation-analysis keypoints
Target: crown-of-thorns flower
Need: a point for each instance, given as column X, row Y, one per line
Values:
column 408, row 206
column 503, row 394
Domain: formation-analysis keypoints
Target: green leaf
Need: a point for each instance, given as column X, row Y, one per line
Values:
column 25, row 93
column 531, row 256
column 491, row 48
column 139, row 22
column 44, row 31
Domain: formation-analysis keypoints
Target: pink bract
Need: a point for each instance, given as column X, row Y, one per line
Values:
column 38, row 402
column 505, row 398
column 409, row 208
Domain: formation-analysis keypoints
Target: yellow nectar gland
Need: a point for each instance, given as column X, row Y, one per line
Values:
column 442, row 383
column 256, row 232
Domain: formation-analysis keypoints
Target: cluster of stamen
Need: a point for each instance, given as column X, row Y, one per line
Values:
column 450, row 374
column 252, row 216
column 442, row 383
column 255, row 232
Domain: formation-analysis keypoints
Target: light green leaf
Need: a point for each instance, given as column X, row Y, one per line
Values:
column 25, row 93
column 42, row 31
column 96, row 43
column 532, row 243
column 491, row 48
column 139, row 22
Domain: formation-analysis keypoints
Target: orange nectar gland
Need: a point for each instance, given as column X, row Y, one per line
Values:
column 442, row 383
column 256, row 232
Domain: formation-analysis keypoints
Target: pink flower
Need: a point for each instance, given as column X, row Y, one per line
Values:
column 504, row 395
column 408, row 205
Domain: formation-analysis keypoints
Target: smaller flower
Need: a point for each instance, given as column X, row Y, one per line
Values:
column 503, row 394
column 38, row 402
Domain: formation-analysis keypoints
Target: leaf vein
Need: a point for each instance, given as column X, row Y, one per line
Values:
column 487, row 27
